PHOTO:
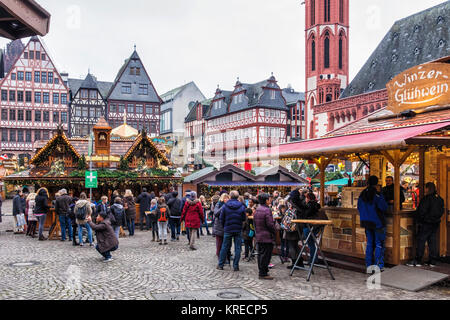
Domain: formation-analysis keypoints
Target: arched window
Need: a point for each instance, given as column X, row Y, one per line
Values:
column 327, row 50
column 313, row 55
column 327, row 10
column 313, row 12
column 341, row 11
column 340, row 51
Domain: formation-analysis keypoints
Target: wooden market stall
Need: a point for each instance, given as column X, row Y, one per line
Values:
column 415, row 127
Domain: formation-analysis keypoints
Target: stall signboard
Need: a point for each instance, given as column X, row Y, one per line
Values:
column 420, row 87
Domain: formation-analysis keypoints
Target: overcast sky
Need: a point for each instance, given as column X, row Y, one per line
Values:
column 210, row 42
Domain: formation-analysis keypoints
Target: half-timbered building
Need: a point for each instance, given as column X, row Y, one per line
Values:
column 133, row 94
column 34, row 100
column 251, row 117
column 87, row 104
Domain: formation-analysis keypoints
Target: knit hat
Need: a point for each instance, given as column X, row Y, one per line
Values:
column 103, row 214
column 62, row 191
column 193, row 195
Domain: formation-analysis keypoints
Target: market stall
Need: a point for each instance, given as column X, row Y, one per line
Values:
column 386, row 141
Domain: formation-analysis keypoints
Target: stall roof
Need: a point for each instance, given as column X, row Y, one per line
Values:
column 253, row 184
column 365, row 141
column 339, row 182
column 199, row 174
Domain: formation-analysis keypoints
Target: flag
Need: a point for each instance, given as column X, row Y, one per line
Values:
column 4, row 157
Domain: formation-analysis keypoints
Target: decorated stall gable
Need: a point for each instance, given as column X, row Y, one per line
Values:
column 144, row 154
column 420, row 87
column 57, row 152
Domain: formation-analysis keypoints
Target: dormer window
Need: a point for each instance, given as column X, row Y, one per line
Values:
column 272, row 95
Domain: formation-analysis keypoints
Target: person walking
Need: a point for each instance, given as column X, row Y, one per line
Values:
column 18, row 209
column 310, row 212
column 41, row 210
column 372, row 207
column 82, row 211
column 428, row 216
column 73, row 220
column 129, row 205
column 218, row 231
column 265, row 235
column 232, row 218
column 144, row 200
column 162, row 216
column 205, row 213
column 175, row 216
column 32, row 219
column 118, row 213
column 291, row 234
column 214, row 200
column 106, row 238
column 248, row 233
column 193, row 217
column 62, row 208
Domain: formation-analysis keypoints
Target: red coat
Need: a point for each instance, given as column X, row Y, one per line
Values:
column 193, row 214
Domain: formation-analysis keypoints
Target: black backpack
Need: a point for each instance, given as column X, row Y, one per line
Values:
column 437, row 209
column 118, row 214
column 81, row 213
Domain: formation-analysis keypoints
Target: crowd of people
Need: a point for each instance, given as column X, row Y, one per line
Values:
column 245, row 220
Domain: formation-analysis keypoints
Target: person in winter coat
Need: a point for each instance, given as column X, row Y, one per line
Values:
column 389, row 190
column 162, row 216
column 310, row 212
column 130, row 209
column 144, row 200
column 154, row 220
column 175, row 216
column 372, row 207
column 428, row 216
column 232, row 218
column 32, row 219
column 41, row 210
column 218, row 231
column 193, row 217
column 18, row 209
column 82, row 211
column 248, row 232
column 119, row 217
column 73, row 220
column 214, row 200
column 103, row 206
column 205, row 209
column 265, row 235
column 62, row 209
column 106, row 238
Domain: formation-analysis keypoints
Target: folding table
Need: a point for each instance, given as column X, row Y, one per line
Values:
column 315, row 226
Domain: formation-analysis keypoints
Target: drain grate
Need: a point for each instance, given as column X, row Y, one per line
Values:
column 24, row 264
column 229, row 295
column 214, row 294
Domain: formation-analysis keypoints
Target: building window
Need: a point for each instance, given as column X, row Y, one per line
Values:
column 38, row 55
column 327, row 50
column 37, row 76
column 46, row 117
column 341, row 11
column 63, row 98
column 28, row 95
column 93, row 94
column 98, row 112
column 85, row 112
column 149, row 110
column 340, row 52
column 313, row 12
column 46, row 135
column 55, row 98
column 113, row 108
column 143, row 89
column 28, row 136
column 55, row 117
column 43, row 57
column 12, row 96
column 28, row 115
column 4, row 135
column 56, row 80
column 138, row 71
column 44, row 77
column 126, row 88
column 84, row 93
column 139, row 109
column 37, row 116
column 327, row 10
column 92, row 112
column 20, row 115
column 46, row 97
column 13, row 76
column 37, row 135
column 25, row 55
column 313, row 55
column 28, row 76
column 50, row 77
column 37, row 97
column 20, row 75
column 12, row 135
column 121, row 108
column 31, row 55
column 132, row 71
column 12, row 115
column 64, row 117
column 5, row 114
column 130, row 109
column 77, row 111
column 19, row 96
column 4, row 95
column 20, row 136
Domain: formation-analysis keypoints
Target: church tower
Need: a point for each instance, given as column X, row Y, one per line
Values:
column 327, row 38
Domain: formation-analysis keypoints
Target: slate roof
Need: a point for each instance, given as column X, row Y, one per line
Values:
column 414, row 40
column 170, row 95
column 103, row 87
column 292, row 97
column 192, row 115
column 199, row 174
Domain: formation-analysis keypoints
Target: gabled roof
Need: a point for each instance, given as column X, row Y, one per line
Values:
column 102, row 86
column 57, row 138
column 192, row 115
column 292, row 97
column 417, row 39
column 138, row 141
column 199, row 174
column 170, row 95
column 206, row 176
column 281, row 170
column 115, row 92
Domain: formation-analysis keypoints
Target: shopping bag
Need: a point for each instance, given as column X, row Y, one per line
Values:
column 21, row 220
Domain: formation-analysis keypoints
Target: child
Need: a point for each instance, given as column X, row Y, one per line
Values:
column 154, row 220
column 248, row 232
column 162, row 216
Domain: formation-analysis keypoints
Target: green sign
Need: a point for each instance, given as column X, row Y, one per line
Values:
column 91, row 180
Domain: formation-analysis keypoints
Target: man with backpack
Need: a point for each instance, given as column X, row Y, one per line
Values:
column 428, row 216
column 83, row 210
column 62, row 209
column 144, row 200
column 162, row 216
column 174, row 205
column 118, row 218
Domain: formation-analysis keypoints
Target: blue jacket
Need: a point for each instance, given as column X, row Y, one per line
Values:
column 372, row 213
column 17, row 205
column 233, row 216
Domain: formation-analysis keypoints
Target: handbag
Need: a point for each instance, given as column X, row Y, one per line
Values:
column 251, row 234
column 21, row 220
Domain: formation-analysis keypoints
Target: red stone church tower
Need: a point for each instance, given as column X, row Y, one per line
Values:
column 327, row 37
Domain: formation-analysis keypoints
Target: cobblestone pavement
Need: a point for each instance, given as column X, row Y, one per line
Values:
column 142, row 270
